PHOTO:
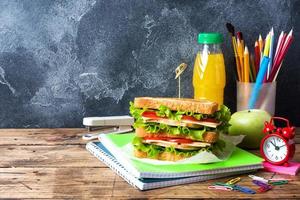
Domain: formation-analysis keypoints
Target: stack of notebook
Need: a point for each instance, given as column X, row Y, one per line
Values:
column 146, row 176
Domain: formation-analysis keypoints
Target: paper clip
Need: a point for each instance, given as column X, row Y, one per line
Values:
column 282, row 182
column 280, row 179
column 233, row 181
column 263, row 187
column 222, row 184
column 244, row 189
column 258, row 178
column 259, row 183
column 219, row 187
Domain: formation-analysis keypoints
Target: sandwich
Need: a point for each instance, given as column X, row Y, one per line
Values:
column 172, row 129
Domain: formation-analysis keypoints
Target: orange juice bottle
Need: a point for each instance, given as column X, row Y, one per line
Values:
column 209, row 78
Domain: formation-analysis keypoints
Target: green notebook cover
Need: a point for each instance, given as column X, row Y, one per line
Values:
column 239, row 160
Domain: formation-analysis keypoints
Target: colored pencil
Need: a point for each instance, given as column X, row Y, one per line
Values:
column 246, row 65
column 260, row 43
column 281, row 55
column 261, row 47
column 256, row 56
column 270, row 53
column 251, row 72
column 258, row 83
column 241, row 38
column 231, row 31
column 280, row 48
column 237, row 62
column 267, row 46
column 282, row 42
column 281, row 39
column 240, row 56
column 253, row 69
column 266, row 62
column 282, row 51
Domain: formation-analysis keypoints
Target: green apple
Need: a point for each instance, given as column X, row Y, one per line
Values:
column 251, row 124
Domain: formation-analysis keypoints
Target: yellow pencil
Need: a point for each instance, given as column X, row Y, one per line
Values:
column 241, row 55
column 267, row 46
column 246, row 65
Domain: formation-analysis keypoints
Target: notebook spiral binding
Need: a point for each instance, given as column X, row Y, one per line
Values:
column 115, row 166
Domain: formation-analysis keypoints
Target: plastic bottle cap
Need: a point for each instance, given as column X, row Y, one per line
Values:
column 210, row 38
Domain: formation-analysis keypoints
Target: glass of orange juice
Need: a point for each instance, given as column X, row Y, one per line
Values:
column 209, row 77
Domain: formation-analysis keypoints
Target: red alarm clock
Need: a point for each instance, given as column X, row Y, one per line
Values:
column 278, row 146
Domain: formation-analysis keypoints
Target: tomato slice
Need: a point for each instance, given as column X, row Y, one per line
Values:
column 151, row 115
column 190, row 118
column 177, row 140
column 210, row 120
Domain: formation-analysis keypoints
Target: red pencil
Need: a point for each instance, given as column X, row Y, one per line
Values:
column 281, row 55
column 279, row 41
column 280, row 46
column 257, row 56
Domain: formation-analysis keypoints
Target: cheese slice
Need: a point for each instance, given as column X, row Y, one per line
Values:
column 184, row 146
column 185, row 123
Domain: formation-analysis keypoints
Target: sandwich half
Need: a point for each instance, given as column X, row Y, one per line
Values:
column 172, row 129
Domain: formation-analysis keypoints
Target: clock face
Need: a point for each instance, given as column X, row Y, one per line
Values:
column 275, row 149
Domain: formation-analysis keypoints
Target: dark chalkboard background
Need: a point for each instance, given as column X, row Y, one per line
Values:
column 63, row 60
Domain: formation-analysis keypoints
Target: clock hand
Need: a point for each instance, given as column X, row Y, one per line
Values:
column 281, row 146
column 273, row 144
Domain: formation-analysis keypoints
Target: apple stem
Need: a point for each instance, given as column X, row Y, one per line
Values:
column 249, row 111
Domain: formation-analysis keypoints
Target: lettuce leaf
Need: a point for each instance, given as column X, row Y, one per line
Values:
column 194, row 134
column 153, row 150
column 223, row 115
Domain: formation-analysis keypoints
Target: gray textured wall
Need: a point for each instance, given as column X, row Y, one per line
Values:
column 63, row 60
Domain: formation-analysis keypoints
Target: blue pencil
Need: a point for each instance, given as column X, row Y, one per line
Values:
column 259, row 81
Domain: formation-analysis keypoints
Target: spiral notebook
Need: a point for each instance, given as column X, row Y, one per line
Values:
column 99, row 151
column 240, row 160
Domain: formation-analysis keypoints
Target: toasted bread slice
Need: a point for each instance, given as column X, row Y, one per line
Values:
column 166, row 156
column 208, row 136
column 202, row 106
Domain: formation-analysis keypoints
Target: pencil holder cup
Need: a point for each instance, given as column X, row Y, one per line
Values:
column 266, row 100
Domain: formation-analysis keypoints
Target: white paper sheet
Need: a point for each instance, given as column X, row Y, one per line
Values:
column 200, row 158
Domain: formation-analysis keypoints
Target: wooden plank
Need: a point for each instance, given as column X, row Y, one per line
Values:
column 53, row 136
column 79, row 183
column 86, row 183
column 199, row 190
column 59, row 156
column 47, row 156
column 41, row 136
column 53, row 163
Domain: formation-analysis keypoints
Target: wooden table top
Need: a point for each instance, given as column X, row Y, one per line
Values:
column 53, row 163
